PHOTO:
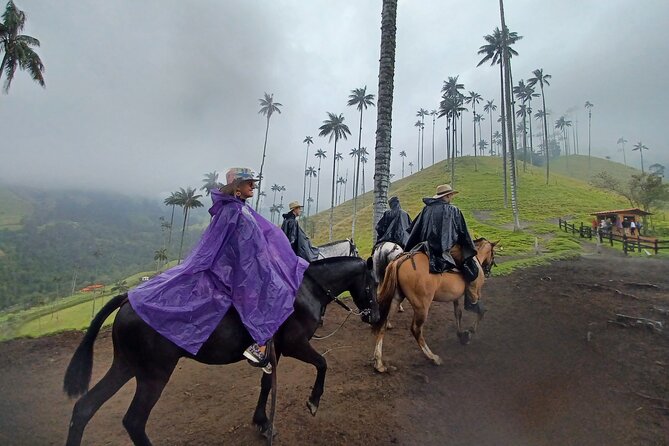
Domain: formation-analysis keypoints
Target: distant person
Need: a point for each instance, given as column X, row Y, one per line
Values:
column 632, row 227
column 298, row 239
column 394, row 225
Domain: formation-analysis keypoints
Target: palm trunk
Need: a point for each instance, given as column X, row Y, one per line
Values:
column 531, row 137
column 491, row 143
column 262, row 164
column 384, row 110
column 334, row 187
column 509, row 124
column 169, row 242
column 504, row 129
column 318, row 183
column 356, row 180
column 589, row 126
column 433, row 122
column 183, row 232
column 422, row 142
column 454, row 148
column 304, row 190
column 474, row 112
column 402, row 167
column 543, row 101
column 525, row 141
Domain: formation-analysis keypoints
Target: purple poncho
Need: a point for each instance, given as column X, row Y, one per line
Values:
column 241, row 260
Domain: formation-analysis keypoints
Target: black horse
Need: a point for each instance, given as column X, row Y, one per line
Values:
column 141, row 352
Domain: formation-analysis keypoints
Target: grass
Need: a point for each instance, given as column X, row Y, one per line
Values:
column 481, row 199
column 12, row 210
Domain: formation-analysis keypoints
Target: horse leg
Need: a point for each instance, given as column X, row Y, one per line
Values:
column 305, row 352
column 419, row 318
column 149, row 389
column 90, row 402
column 260, row 415
column 378, row 348
column 466, row 335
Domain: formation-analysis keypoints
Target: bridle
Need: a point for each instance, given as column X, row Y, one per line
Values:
column 488, row 264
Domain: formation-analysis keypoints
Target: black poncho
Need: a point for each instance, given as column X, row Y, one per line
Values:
column 299, row 241
column 442, row 226
column 394, row 225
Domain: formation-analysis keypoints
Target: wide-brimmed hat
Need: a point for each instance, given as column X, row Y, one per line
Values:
column 444, row 189
column 294, row 204
column 240, row 174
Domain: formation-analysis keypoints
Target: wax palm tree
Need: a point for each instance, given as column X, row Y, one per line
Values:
column 410, row 168
column 267, row 108
column 320, row 154
column 384, row 110
column 588, row 106
column 640, row 147
column 483, row 144
column 160, row 256
column 18, row 48
column 275, row 188
column 363, row 162
column 188, row 200
column 474, row 98
column 422, row 113
column 522, row 113
column 361, row 100
column 338, row 158
column 419, row 126
column 308, row 141
column 403, row 154
column 172, row 200
column 120, row 287
column 334, row 128
column 490, row 107
column 341, row 182
column 542, row 79
column 274, row 209
column 434, row 118
column 309, row 201
column 622, row 141
column 310, row 173
column 210, row 181
column 562, row 124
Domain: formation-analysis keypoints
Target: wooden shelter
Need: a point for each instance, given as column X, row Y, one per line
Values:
column 618, row 221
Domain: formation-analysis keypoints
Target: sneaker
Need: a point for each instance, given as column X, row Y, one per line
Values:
column 257, row 358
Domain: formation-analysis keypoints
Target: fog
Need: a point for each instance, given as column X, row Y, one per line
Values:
column 146, row 97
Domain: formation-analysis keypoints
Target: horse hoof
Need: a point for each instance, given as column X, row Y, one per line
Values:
column 265, row 430
column 313, row 408
column 437, row 360
column 381, row 369
column 389, row 326
column 465, row 337
column 400, row 309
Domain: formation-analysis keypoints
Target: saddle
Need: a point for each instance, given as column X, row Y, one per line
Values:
column 468, row 268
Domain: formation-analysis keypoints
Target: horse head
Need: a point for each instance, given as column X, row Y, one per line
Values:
column 364, row 295
column 353, row 250
column 486, row 254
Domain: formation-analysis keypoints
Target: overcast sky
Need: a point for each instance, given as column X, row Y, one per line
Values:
column 144, row 97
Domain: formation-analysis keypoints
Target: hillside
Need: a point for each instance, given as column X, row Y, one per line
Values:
column 52, row 242
column 481, row 199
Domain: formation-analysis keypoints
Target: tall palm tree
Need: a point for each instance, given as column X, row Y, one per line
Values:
column 622, row 141
column 334, row 128
column 543, row 80
column 275, row 188
column 490, row 107
column 422, row 113
column 410, row 168
column 160, row 256
column 361, row 100
column 210, row 181
column 267, row 108
column 188, row 200
column 338, row 158
column 320, row 154
column 18, row 48
column 562, row 124
column 308, row 141
column 497, row 49
column 310, row 173
column 363, row 162
column 403, row 154
column 522, row 113
column 588, row 106
column 483, row 144
column 384, row 110
column 172, row 200
column 341, row 183
column 640, row 147
column 474, row 98
column 419, row 126
column 434, row 118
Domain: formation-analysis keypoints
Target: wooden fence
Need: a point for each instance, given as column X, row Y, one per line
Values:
column 629, row 243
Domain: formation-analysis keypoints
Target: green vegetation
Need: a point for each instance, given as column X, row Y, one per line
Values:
column 12, row 209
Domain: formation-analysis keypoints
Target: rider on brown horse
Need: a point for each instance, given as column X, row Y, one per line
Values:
column 442, row 227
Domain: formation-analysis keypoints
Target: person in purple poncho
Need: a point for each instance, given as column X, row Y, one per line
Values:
column 242, row 261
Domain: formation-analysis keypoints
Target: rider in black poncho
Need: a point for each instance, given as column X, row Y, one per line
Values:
column 299, row 241
column 442, row 226
column 394, row 224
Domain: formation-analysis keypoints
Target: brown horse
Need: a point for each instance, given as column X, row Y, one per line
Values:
column 409, row 277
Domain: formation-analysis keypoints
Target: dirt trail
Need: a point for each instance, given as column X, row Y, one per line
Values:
column 545, row 368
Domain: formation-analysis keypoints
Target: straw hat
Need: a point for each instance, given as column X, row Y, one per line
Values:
column 240, row 174
column 444, row 189
column 294, row 204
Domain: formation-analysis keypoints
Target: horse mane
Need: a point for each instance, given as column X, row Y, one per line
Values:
column 336, row 242
column 339, row 259
column 480, row 239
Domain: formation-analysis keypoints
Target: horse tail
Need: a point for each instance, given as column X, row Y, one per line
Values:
column 78, row 374
column 386, row 294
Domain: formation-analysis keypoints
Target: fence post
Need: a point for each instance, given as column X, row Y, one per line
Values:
column 638, row 243
column 611, row 238
column 560, row 223
column 656, row 247
column 625, row 244
column 580, row 231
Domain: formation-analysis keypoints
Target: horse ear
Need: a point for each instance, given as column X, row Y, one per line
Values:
column 370, row 263
column 495, row 243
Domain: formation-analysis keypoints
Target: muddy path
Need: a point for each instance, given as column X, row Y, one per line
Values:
column 547, row 367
